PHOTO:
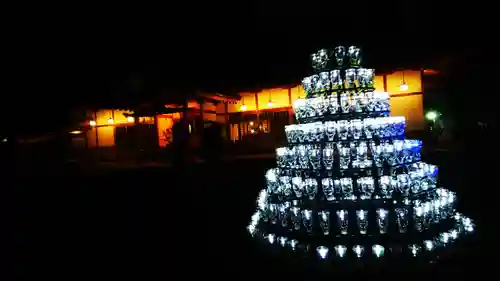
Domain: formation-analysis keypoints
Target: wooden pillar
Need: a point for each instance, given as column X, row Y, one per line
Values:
column 114, row 127
column 184, row 132
column 226, row 117
column 86, row 139
column 290, row 108
column 257, row 107
column 385, row 82
column 96, row 131
column 201, row 103
column 422, row 81
column 157, row 135
column 240, row 117
column 184, row 123
column 422, row 97
column 200, row 120
column 184, row 119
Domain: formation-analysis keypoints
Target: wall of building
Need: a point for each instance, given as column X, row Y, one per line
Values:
column 103, row 133
column 279, row 98
column 165, row 124
column 105, row 117
column 91, row 138
column 408, row 103
column 412, row 79
column 411, row 107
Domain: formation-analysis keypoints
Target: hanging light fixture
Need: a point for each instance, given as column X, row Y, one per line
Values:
column 269, row 103
column 92, row 123
column 404, row 85
column 111, row 121
column 243, row 106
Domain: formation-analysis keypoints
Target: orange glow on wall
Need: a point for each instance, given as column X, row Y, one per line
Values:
column 430, row 72
column 117, row 117
column 91, row 138
column 146, row 120
column 209, row 106
column 165, row 125
column 102, row 117
column 379, row 83
column 234, row 131
column 246, row 98
column 194, row 105
column 297, row 92
column 412, row 78
column 209, row 117
column 402, row 104
column 106, row 136
column 191, row 104
column 411, row 107
column 220, row 119
column 220, row 108
column 278, row 96
column 107, row 119
column 120, row 117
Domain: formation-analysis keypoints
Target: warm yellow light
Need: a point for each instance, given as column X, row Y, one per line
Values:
column 403, row 86
column 75, row 132
column 111, row 121
column 130, row 119
column 243, row 107
column 270, row 103
column 92, row 123
column 251, row 123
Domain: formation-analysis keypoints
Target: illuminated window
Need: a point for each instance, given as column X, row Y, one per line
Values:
column 254, row 127
column 146, row 120
column 234, row 132
column 264, row 126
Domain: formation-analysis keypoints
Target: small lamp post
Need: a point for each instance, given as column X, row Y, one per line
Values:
column 433, row 116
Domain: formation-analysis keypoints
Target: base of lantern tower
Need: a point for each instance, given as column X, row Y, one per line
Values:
column 426, row 233
column 397, row 258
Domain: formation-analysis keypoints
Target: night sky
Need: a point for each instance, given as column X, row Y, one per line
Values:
column 122, row 56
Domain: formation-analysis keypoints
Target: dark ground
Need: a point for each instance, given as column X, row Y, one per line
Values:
column 159, row 223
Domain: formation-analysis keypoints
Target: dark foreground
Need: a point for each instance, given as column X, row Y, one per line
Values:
column 163, row 223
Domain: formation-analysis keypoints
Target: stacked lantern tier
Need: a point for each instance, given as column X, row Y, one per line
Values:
column 408, row 181
column 377, row 129
column 348, row 183
column 360, row 154
column 362, row 228
column 362, row 221
column 363, row 246
column 344, row 105
column 339, row 80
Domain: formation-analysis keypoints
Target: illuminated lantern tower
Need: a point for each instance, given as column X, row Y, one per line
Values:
column 348, row 184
